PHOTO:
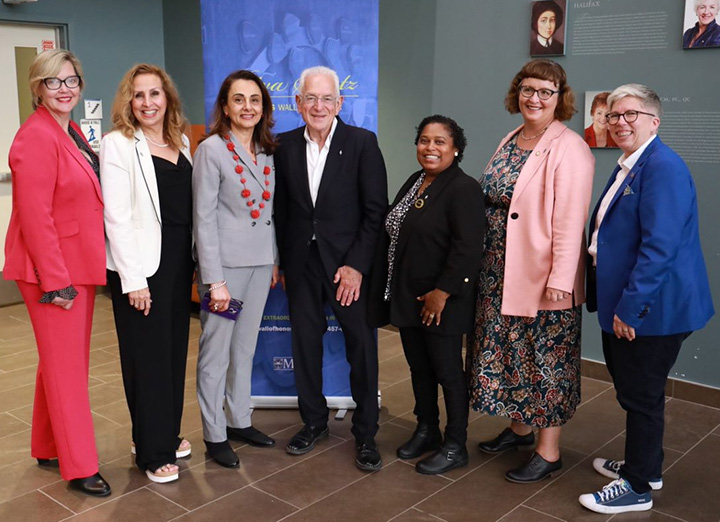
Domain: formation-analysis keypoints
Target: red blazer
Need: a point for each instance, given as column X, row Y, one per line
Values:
column 55, row 237
column 546, row 224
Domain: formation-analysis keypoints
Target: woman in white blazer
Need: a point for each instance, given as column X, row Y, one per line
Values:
column 233, row 187
column 146, row 175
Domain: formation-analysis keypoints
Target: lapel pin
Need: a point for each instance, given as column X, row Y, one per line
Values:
column 341, row 153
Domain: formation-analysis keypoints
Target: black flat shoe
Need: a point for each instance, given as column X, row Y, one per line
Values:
column 250, row 436
column 48, row 463
column 305, row 439
column 507, row 440
column 94, row 486
column 367, row 457
column 425, row 438
column 534, row 470
column 450, row 456
column 222, row 453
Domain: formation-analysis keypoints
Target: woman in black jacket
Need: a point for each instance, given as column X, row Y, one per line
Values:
column 425, row 277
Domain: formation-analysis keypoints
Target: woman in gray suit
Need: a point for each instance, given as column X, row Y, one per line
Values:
column 233, row 186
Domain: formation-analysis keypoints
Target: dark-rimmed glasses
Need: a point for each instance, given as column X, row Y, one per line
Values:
column 543, row 94
column 629, row 116
column 71, row 82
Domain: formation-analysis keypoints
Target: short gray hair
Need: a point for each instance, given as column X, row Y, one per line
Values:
column 645, row 94
column 698, row 2
column 319, row 70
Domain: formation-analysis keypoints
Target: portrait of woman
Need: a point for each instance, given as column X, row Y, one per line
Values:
column 233, row 188
column 524, row 356
column 437, row 216
column 546, row 35
column 54, row 250
column 701, row 18
column 596, row 132
column 146, row 174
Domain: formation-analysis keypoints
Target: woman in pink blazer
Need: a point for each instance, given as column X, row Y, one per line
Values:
column 524, row 358
column 55, row 250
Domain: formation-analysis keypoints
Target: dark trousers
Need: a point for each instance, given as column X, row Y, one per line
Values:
column 153, row 352
column 640, row 369
column 307, row 294
column 437, row 359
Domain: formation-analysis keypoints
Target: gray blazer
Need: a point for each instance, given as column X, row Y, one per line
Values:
column 225, row 233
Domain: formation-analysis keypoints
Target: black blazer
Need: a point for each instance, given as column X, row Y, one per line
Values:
column 350, row 205
column 440, row 246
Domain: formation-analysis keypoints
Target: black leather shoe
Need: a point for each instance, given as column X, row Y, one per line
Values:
column 508, row 439
column 534, row 470
column 367, row 457
column 251, row 436
column 48, row 463
column 425, row 438
column 222, row 453
column 305, row 439
column 450, row 456
column 94, row 486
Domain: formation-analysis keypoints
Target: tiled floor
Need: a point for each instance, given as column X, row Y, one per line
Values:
column 325, row 485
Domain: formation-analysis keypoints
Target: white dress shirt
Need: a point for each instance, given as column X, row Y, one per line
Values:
column 626, row 165
column 316, row 158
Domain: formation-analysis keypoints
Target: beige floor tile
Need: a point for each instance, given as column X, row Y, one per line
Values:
column 33, row 507
column 245, row 505
column 138, row 505
column 10, row 425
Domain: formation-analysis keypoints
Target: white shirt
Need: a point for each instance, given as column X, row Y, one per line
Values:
column 626, row 165
column 316, row 158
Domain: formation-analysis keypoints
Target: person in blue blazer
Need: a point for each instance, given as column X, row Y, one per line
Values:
column 648, row 283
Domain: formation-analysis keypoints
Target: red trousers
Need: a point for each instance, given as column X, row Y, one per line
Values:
column 62, row 424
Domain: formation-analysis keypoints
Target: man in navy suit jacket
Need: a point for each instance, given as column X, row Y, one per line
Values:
column 648, row 282
column 330, row 200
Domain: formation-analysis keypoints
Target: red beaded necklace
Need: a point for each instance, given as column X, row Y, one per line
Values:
column 266, row 195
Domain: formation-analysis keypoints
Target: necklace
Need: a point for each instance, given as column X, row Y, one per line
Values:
column 246, row 193
column 161, row 145
column 526, row 138
column 421, row 197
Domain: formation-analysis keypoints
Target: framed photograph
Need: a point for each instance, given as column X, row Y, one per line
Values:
column 701, row 25
column 547, row 28
column 597, row 134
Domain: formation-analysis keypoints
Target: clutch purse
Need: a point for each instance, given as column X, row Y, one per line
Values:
column 232, row 313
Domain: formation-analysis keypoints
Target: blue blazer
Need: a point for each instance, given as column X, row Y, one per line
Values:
column 650, row 268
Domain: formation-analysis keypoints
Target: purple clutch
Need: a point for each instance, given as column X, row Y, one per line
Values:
column 232, row 313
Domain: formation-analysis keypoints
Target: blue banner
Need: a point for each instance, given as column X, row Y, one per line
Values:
column 277, row 39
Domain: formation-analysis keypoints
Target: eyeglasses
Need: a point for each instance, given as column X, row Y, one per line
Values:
column 629, row 116
column 71, row 82
column 543, row 94
column 310, row 100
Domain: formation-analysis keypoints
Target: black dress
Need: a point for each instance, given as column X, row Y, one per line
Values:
column 153, row 348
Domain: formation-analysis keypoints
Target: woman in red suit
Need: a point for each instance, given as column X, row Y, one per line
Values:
column 55, row 250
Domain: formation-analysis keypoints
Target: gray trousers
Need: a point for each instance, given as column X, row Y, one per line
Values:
column 226, row 352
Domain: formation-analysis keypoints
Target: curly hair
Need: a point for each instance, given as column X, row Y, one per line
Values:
column 456, row 132
column 262, row 133
column 124, row 120
column 548, row 70
column 47, row 64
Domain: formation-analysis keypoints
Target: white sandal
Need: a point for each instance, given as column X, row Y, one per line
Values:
column 161, row 476
column 179, row 453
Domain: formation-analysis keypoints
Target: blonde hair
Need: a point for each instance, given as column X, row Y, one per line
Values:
column 47, row 64
column 123, row 118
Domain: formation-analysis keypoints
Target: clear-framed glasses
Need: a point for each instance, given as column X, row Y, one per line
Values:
column 629, row 116
column 310, row 100
column 71, row 82
column 543, row 94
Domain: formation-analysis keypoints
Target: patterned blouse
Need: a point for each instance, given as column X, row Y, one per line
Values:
column 393, row 224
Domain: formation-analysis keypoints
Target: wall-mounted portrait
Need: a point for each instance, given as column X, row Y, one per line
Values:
column 596, row 127
column 701, row 24
column 547, row 28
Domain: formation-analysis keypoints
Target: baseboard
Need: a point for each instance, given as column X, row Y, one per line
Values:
column 677, row 389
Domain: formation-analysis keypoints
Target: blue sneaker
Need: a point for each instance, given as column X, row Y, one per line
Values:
column 616, row 497
column 611, row 469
